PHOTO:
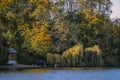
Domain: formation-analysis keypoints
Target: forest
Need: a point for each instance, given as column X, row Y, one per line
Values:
column 73, row 33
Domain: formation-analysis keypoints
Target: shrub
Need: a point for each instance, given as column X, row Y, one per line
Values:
column 93, row 56
column 72, row 56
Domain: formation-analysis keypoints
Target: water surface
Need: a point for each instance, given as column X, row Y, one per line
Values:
column 61, row 74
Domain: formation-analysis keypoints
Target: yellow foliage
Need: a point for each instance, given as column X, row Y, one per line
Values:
column 77, row 55
column 90, row 16
column 24, row 29
column 95, row 49
column 4, row 2
column 117, row 30
column 53, row 8
column 87, row 12
column 10, row 15
column 75, row 50
column 41, row 8
column 39, row 36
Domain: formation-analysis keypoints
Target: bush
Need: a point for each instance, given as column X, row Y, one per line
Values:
column 93, row 56
column 72, row 56
column 77, row 56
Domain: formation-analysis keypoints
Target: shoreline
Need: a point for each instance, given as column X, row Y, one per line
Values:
column 22, row 66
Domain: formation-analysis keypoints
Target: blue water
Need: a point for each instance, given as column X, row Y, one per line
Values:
column 31, row 74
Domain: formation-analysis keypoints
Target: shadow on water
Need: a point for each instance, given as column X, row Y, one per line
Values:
column 43, row 70
column 27, row 70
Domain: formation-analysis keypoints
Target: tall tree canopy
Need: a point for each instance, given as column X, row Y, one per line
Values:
column 38, row 27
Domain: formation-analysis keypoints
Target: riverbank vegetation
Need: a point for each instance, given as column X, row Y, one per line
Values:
column 67, row 32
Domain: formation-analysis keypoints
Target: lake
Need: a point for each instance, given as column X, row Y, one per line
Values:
column 60, row 74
